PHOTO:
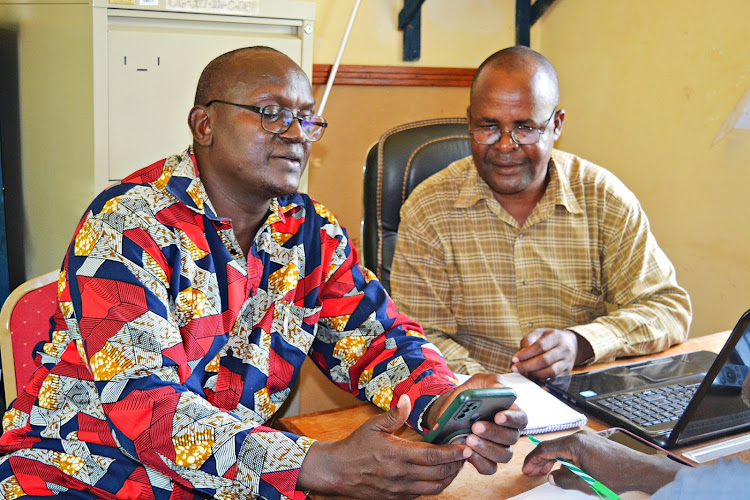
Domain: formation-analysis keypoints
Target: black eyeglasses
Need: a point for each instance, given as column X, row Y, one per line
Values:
column 278, row 119
column 520, row 134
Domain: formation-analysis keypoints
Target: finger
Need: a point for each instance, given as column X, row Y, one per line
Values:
column 535, row 465
column 431, row 455
column 395, row 418
column 548, row 341
column 532, row 337
column 482, row 465
column 514, row 418
column 491, row 451
column 527, row 353
column 493, row 441
column 564, row 478
column 544, row 341
column 548, row 359
column 439, row 472
column 561, row 367
column 542, row 458
column 536, row 363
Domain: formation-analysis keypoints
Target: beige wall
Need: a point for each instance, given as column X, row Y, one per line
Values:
column 646, row 86
column 54, row 179
column 454, row 34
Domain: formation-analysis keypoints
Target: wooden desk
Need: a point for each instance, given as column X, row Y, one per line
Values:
column 508, row 481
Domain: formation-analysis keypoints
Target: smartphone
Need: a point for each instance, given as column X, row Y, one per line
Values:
column 469, row 406
column 627, row 438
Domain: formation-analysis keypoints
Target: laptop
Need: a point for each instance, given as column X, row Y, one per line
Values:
column 672, row 401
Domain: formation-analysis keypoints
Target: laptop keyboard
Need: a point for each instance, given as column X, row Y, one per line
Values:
column 652, row 406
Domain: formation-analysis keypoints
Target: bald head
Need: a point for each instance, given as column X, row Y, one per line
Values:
column 524, row 65
column 246, row 67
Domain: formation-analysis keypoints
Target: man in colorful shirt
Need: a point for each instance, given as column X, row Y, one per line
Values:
column 522, row 245
column 189, row 298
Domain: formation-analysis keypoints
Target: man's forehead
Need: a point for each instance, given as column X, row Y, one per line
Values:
column 536, row 87
column 259, row 73
column 273, row 88
column 255, row 68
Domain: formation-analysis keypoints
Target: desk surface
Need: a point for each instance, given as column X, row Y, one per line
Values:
column 508, row 481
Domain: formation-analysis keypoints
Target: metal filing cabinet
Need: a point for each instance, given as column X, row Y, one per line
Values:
column 104, row 88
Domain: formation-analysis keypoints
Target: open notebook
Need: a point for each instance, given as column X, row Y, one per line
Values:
column 546, row 413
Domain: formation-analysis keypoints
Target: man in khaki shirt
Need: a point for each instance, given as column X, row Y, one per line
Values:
column 525, row 258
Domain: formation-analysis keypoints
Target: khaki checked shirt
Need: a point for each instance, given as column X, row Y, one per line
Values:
column 585, row 260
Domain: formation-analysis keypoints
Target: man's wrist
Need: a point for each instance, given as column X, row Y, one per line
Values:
column 315, row 472
column 653, row 472
column 433, row 411
column 585, row 352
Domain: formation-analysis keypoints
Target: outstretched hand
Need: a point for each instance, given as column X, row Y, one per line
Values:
column 374, row 463
column 618, row 467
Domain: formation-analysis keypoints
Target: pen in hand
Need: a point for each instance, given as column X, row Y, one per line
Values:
column 596, row 485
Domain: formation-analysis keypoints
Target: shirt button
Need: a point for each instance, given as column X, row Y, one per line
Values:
column 520, row 236
column 529, row 324
column 523, row 282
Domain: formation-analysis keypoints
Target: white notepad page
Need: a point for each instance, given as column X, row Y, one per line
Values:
column 546, row 413
column 547, row 491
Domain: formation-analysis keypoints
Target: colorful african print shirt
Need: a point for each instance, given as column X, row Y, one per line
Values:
column 171, row 350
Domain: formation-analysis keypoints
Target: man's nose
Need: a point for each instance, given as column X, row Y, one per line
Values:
column 294, row 133
column 506, row 142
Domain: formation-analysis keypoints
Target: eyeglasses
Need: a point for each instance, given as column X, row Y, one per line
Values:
column 278, row 119
column 520, row 134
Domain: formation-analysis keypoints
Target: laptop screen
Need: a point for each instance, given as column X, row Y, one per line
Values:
column 725, row 402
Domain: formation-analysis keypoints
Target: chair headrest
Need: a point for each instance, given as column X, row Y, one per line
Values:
column 404, row 157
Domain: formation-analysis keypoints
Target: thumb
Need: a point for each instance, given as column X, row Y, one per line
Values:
column 395, row 418
column 565, row 479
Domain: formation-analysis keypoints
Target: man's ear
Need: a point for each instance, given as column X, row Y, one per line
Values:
column 468, row 115
column 200, row 125
column 558, row 121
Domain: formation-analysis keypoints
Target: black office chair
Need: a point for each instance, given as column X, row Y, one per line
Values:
column 402, row 158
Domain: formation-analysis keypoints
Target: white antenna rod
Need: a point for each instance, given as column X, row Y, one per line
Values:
column 335, row 66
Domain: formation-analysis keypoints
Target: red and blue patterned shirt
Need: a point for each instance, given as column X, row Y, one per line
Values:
column 171, row 350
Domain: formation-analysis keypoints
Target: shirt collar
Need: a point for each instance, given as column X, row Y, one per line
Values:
column 563, row 192
column 474, row 189
column 181, row 178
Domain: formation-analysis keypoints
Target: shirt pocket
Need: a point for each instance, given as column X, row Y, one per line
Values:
column 581, row 307
column 295, row 324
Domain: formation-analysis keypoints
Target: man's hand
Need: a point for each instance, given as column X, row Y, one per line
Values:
column 546, row 352
column 373, row 463
column 617, row 466
column 490, row 441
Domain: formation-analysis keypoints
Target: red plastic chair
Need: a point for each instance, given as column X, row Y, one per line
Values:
column 24, row 321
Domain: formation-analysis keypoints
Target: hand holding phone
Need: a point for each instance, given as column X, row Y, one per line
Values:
column 468, row 407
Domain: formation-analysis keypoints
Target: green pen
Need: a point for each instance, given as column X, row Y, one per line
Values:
column 597, row 486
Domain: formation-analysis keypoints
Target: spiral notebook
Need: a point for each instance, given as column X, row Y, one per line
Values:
column 546, row 413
